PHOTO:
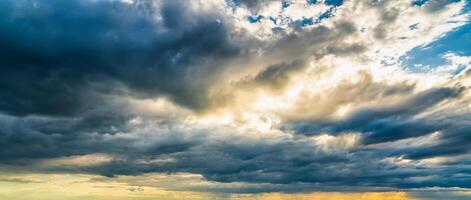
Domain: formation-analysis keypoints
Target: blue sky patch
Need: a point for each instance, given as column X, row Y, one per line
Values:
column 277, row 29
column 419, row 2
column 334, row 2
column 285, row 4
column 311, row 2
column 304, row 22
column 413, row 26
column 326, row 15
column 431, row 55
column 254, row 19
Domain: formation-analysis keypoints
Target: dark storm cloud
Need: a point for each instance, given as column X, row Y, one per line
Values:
column 454, row 140
column 283, row 163
column 27, row 138
column 229, row 157
column 20, row 139
column 386, row 124
column 57, row 57
column 404, row 121
column 39, row 138
column 240, row 159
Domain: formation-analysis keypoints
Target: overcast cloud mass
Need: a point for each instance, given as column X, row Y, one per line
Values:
column 236, row 97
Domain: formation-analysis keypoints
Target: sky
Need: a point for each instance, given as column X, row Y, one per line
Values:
column 235, row 99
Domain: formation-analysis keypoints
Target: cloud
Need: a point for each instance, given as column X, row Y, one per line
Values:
column 60, row 57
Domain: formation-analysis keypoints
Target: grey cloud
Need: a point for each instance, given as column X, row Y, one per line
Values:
column 275, row 76
column 387, row 18
column 319, row 107
column 437, row 5
column 219, row 155
column 278, row 74
column 387, row 124
column 455, row 139
column 344, row 49
column 284, row 163
column 20, row 180
column 254, row 5
column 60, row 65
column 303, row 43
column 460, row 194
